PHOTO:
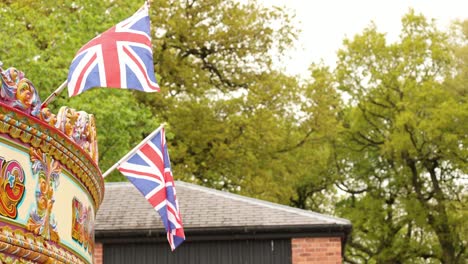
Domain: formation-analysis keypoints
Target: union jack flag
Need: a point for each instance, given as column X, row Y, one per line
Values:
column 149, row 169
column 121, row 57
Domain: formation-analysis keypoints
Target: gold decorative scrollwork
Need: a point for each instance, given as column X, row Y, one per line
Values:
column 41, row 220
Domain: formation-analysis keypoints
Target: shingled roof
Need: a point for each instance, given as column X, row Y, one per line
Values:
column 205, row 211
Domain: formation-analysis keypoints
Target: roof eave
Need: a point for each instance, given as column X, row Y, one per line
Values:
column 227, row 233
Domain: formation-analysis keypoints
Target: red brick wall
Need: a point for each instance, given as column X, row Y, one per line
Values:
column 323, row 250
column 98, row 253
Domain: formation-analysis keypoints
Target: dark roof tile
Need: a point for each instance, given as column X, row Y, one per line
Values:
column 124, row 208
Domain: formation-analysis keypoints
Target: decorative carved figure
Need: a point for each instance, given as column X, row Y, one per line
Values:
column 47, row 116
column 41, row 221
column 82, row 225
column 66, row 120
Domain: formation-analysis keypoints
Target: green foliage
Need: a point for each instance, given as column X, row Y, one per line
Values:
column 403, row 154
column 232, row 116
column 42, row 37
column 391, row 157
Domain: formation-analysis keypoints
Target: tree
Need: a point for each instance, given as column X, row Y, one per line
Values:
column 396, row 152
column 320, row 123
column 230, row 116
column 403, row 153
column 42, row 37
column 231, row 113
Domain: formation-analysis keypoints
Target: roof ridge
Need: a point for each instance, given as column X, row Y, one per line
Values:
column 120, row 183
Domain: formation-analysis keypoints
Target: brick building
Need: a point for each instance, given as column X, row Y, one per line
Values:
column 220, row 227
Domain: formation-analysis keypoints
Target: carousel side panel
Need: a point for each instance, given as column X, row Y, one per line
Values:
column 50, row 190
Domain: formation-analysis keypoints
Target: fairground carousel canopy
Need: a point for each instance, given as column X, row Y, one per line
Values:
column 50, row 182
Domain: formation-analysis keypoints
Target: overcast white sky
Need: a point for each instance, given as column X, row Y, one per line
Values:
column 325, row 23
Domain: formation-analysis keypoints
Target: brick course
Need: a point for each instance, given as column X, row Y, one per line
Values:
column 98, row 254
column 323, row 250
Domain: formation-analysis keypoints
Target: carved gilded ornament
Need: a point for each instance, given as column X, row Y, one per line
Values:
column 41, row 220
column 50, row 140
column 28, row 247
column 18, row 92
column 62, row 146
column 12, row 186
column 13, row 260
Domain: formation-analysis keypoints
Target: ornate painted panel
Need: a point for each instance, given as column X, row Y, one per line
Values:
column 50, row 183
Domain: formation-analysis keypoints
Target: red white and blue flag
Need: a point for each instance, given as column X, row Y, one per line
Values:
column 149, row 169
column 121, row 57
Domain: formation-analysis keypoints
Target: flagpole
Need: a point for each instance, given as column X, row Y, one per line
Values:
column 132, row 151
column 54, row 94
